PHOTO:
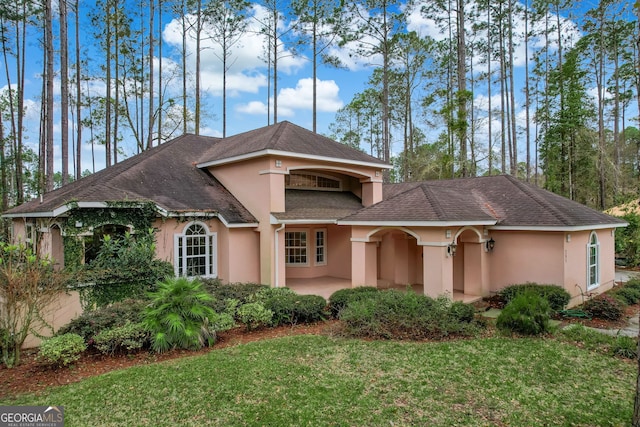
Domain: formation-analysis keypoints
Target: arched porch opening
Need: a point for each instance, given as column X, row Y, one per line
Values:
column 470, row 268
column 399, row 259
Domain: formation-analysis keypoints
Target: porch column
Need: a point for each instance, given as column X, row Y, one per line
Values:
column 437, row 271
column 364, row 269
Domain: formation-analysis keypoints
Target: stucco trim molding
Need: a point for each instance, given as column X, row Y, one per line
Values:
column 270, row 152
column 415, row 223
column 557, row 228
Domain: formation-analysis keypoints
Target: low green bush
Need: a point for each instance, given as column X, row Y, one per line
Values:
column 393, row 314
column 557, row 297
column 61, row 350
column 128, row 338
column 340, row 299
column 528, row 313
column 604, row 307
column 254, row 315
column 627, row 295
column 290, row 308
column 92, row 322
column 626, row 347
column 462, row 312
column 220, row 292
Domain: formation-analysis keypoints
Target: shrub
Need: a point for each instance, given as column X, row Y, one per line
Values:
column 627, row 295
column 124, row 268
column 340, row 299
column 633, row 283
column 61, row 350
column 243, row 292
column 179, row 315
column 128, row 338
column 557, row 297
column 92, row 322
column 462, row 312
column 290, row 308
column 393, row 314
column 626, row 347
column 528, row 313
column 254, row 315
column 604, row 307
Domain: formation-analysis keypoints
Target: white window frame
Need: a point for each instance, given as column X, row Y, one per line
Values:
column 323, row 246
column 316, row 176
column 593, row 263
column 305, row 247
column 210, row 247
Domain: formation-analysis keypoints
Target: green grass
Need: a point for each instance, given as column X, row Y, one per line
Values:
column 321, row 381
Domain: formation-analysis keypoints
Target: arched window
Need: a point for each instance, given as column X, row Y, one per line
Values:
column 593, row 261
column 195, row 252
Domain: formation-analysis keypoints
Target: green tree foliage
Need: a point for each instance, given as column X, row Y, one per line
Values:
column 124, row 268
column 28, row 285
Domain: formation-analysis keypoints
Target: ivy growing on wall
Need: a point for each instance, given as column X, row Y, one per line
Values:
column 139, row 215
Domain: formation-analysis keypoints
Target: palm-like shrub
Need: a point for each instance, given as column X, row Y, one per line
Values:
column 179, row 315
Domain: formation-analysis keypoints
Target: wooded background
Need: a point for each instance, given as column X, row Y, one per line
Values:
column 548, row 91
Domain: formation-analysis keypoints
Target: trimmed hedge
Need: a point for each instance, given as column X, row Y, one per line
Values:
column 394, row 314
column 243, row 292
column 557, row 297
column 340, row 299
column 289, row 308
column 92, row 322
column 124, row 339
column 61, row 350
column 528, row 313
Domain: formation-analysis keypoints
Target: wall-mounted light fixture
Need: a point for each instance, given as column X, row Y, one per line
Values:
column 490, row 244
column 451, row 249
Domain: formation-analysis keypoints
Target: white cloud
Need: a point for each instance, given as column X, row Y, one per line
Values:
column 301, row 97
column 253, row 107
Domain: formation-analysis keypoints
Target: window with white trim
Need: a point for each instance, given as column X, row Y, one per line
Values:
column 295, row 248
column 593, row 261
column 321, row 247
column 312, row 181
column 195, row 252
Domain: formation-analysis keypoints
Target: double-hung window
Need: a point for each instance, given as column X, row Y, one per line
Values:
column 195, row 252
column 593, row 261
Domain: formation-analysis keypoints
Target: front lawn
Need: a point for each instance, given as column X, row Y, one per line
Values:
column 321, row 381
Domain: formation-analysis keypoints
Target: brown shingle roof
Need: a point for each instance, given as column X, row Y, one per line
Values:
column 318, row 205
column 284, row 137
column 166, row 175
column 501, row 200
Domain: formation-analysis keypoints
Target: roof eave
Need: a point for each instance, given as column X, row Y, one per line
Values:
column 572, row 228
column 269, row 152
column 415, row 223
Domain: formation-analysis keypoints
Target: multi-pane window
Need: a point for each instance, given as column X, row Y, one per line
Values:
column 309, row 181
column 295, row 247
column 195, row 252
column 303, row 247
column 593, row 254
column 321, row 247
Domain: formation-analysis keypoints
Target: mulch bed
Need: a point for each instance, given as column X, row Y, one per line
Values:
column 32, row 376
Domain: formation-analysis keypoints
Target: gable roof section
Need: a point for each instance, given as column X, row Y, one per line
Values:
column 502, row 202
column 284, row 139
column 165, row 175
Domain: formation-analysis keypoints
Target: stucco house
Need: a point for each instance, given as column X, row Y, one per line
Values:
column 283, row 206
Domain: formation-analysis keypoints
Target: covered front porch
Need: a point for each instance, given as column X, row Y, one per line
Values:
column 327, row 285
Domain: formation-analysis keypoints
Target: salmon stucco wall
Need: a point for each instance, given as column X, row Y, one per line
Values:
column 237, row 248
column 338, row 254
column 523, row 256
column 60, row 312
